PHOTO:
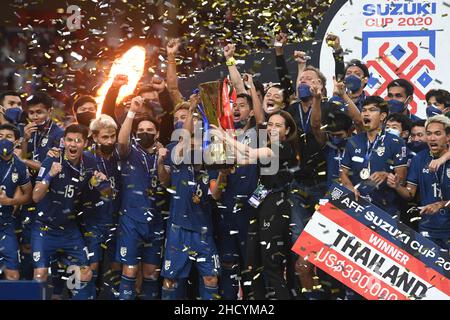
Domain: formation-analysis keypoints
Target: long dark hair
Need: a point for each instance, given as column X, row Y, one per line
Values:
column 292, row 136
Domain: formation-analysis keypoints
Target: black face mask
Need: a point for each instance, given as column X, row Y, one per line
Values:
column 146, row 140
column 85, row 118
column 107, row 148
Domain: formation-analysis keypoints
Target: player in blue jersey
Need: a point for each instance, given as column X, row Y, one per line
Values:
column 232, row 191
column 39, row 136
column 141, row 232
column 13, row 176
column 58, row 187
column 189, row 231
column 400, row 96
column 100, row 214
column 10, row 107
column 371, row 155
column 433, row 187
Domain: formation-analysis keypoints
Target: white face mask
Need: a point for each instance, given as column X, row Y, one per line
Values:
column 393, row 131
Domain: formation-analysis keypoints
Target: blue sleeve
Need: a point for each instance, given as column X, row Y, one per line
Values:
column 24, row 177
column 58, row 135
column 45, row 168
column 414, row 171
column 399, row 150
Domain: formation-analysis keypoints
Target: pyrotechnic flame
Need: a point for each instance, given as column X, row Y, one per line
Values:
column 132, row 64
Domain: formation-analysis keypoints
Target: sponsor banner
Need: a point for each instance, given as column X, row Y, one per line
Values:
column 375, row 265
column 396, row 39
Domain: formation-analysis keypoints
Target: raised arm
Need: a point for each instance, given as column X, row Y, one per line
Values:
column 352, row 110
column 334, row 42
column 163, row 171
column 248, row 78
column 43, row 184
column 235, row 76
column 281, row 67
column 123, row 140
column 316, row 116
column 300, row 58
column 172, row 80
column 109, row 105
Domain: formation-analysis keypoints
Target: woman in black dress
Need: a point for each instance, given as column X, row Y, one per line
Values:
column 268, row 244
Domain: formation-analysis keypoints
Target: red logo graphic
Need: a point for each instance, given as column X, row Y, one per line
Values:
column 400, row 69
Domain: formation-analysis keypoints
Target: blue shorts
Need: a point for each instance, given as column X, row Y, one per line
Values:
column 185, row 246
column 232, row 235
column 47, row 243
column 9, row 248
column 98, row 239
column 137, row 239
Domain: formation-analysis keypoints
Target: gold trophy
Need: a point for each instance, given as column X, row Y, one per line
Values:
column 211, row 94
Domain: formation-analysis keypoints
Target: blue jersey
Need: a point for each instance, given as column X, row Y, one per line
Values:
column 58, row 208
column 13, row 173
column 243, row 181
column 189, row 184
column 98, row 209
column 386, row 153
column 343, row 106
column 334, row 157
column 432, row 187
column 140, row 185
column 42, row 141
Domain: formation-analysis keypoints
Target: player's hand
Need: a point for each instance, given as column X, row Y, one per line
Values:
column 379, row 177
column 393, row 181
column 356, row 193
column 173, row 46
column 158, row 84
column 248, row 79
column 18, row 152
column 163, row 153
column 4, row 200
column 136, row 104
column 97, row 178
column 316, row 90
column 29, row 129
column 436, row 164
column 120, row 80
column 432, row 208
column 194, row 100
column 300, row 57
column 333, row 41
column 339, row 88
column 228, row 50
column 279, row 43
column 55, row 169
column 53, row 152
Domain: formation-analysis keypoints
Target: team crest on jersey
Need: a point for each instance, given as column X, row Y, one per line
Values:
column 448, row 173
column 44, row 142
column 167, row 265
column 36, row 256
column 380, row 151
column 123, row 251
column 14, row 177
